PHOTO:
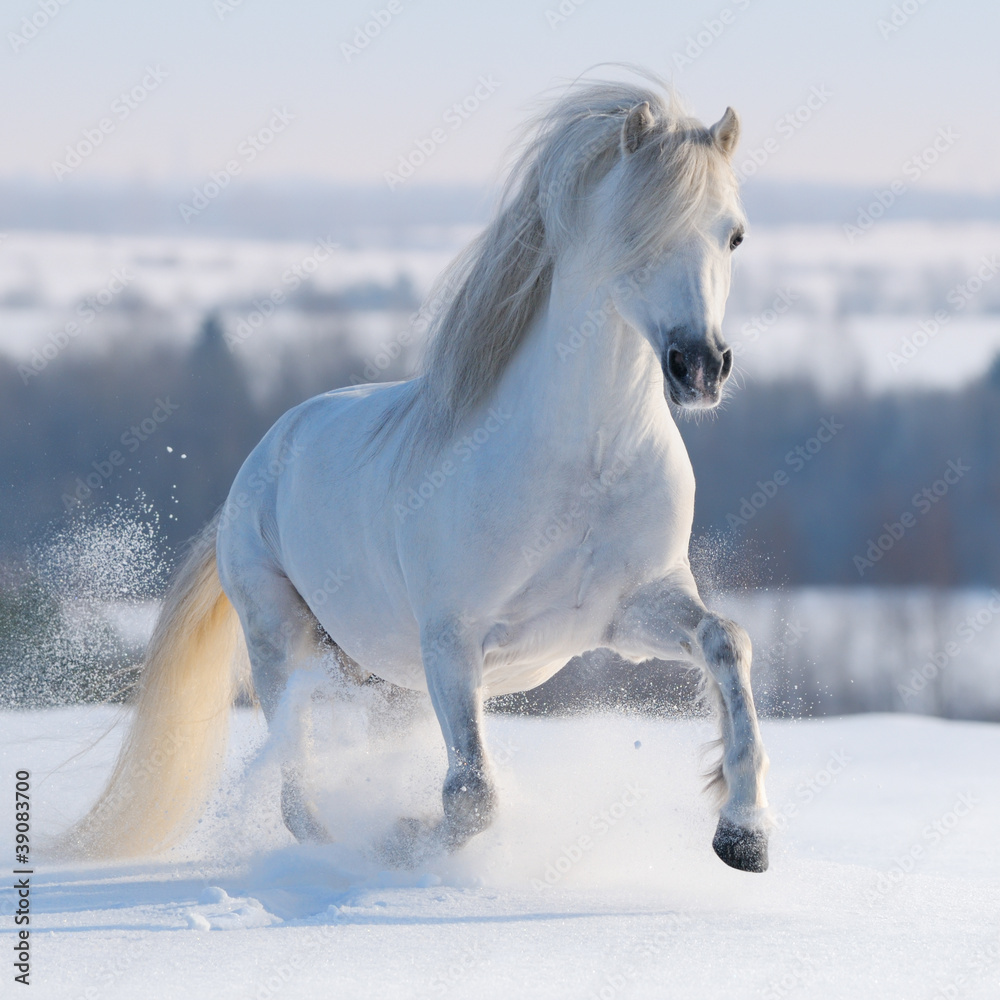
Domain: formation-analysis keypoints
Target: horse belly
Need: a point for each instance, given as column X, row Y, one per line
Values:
column 356, row 596
column 509, row 678
column 524, row 656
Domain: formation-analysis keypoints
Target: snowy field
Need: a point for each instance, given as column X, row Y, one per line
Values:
column 805, row 300
column 597, row 880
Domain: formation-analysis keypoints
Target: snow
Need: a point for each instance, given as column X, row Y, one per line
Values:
column 805, row 299
column 596, row 880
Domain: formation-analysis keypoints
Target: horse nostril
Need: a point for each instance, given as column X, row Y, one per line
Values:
column 727, row 364
column 676, row 365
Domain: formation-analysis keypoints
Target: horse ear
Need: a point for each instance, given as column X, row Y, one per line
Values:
column 638, row 122
column 726, row 132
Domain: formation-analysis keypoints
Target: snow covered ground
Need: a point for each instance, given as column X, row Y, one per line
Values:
column 597, row 880
column 805, row 299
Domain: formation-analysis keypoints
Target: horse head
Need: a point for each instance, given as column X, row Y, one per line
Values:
column 676, row 177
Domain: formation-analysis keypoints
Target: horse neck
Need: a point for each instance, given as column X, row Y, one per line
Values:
column 582, row 369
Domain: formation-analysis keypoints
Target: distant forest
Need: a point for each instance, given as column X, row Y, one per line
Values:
column 793, row 488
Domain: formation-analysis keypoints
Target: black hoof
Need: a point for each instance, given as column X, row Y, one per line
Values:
column 740, row 847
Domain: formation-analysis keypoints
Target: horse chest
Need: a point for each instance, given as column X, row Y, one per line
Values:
column 616, row 531
column 612, row 521
column 587, row 539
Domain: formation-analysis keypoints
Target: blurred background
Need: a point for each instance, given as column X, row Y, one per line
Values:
column 212, row 209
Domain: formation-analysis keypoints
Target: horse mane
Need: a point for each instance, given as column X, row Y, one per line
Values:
column 490, row 293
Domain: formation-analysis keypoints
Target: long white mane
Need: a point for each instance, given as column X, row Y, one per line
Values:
column 492, row 290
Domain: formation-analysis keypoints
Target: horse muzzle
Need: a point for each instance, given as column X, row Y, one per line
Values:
column 693, row 375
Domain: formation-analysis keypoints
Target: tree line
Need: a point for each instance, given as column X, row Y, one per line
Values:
column 793, row 487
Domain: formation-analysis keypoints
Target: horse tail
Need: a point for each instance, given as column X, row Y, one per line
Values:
column 174, row 750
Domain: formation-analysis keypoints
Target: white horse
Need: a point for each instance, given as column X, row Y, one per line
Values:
column 525, row 499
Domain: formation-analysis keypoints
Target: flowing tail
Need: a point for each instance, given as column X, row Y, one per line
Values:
column 173, row 753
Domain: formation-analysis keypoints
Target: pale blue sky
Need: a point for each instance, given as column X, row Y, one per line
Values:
column 354, row 118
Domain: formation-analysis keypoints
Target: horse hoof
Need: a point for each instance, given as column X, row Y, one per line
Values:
column 410, row 842
column 740, row 847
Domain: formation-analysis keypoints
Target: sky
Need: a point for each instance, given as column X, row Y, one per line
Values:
column 886, row 81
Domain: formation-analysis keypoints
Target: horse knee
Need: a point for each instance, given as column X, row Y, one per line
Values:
column 724, row 644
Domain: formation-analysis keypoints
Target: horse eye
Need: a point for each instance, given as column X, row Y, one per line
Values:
column 736, row 239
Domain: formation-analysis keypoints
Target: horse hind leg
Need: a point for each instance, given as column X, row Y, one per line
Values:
column 282, row 635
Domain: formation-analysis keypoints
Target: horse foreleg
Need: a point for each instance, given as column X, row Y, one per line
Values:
column 453, row 663
column 668, row 620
